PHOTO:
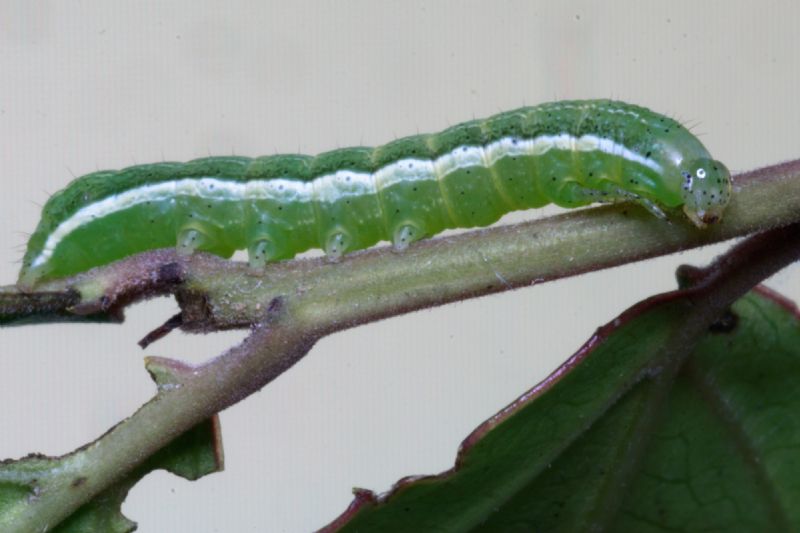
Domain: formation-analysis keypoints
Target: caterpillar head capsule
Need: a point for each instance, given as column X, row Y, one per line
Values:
column 706, row 190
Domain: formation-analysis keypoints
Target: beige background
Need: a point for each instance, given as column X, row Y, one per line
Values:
column 91, row 85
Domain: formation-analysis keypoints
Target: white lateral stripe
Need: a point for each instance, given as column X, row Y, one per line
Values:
column 331, row 187
column 405, row 170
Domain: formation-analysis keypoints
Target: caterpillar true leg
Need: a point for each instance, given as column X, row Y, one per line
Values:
column 613, row 195
column 595, row 196
column 644, row 202
column 653, row 208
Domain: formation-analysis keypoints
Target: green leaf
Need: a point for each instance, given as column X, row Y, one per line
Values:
column 601, row 444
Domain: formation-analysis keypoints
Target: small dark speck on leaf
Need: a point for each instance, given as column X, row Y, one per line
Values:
column 726, row 323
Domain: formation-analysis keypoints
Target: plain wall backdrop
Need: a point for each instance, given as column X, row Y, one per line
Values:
column 93, row 84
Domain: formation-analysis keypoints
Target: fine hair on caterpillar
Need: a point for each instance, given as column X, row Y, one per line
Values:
column 569, row 153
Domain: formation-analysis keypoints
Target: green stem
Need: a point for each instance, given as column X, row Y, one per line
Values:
column 223, row 294
column 295, row 303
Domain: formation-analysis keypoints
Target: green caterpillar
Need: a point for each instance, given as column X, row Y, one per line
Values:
column 570, row 153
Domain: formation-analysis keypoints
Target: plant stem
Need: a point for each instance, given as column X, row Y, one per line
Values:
column 295, row 303
column 221, row 294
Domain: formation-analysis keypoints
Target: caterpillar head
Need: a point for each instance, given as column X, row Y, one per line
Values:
column 706, row 190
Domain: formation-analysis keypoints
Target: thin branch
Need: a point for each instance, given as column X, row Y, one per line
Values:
column 220, row 294
column 284, row 337
column 295, row 303
column 172, row 323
